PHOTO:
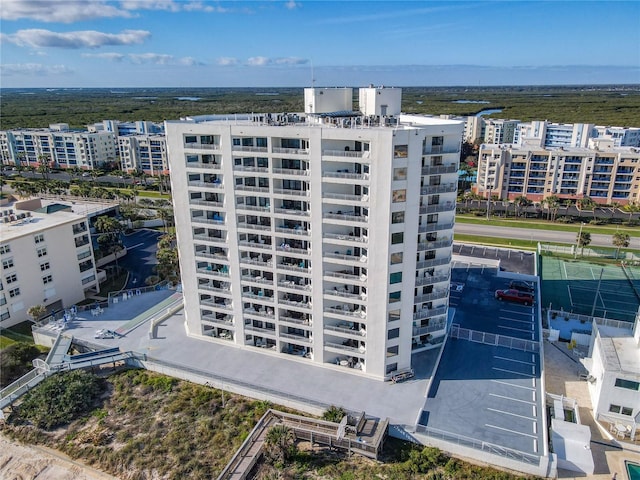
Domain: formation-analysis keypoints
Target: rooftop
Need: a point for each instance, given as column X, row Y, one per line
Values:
column 622, row 352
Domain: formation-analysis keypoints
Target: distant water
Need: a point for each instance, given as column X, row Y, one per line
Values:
column 189, row 99
column 267, row 93
column 470, row 101
column 488, row 111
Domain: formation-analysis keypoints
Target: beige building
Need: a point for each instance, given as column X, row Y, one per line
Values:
column 47, row 259
column 602, row 172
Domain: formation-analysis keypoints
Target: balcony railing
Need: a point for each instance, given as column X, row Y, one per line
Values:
column 209, row 166
column 348, row 276
column 348, row 258
column 427, row 297
column 253, row 208
column 346, row 236
column 254, row 226
column 345, row 348
column 203, row 146
column 347, row 197
column 251, row 188
column 429, row 313
column 348, row 313
column 442, row 243
column 291, row 171
column 445, row 207
column 344, row 294
column 345, row 153
column 435, row 227
column 259, row 313
column 257, row 297
column 292, row 268
column 210, row 288
column 294, row 231
column 418, row 331
column 218, row 321
column 253, row 261
column 433, row 262
column 208, row 221
column 197, row 183
column 297, row 338
column 247, row 168
column 250, row 278
column 439, row 169
column 290, row 151
column 210, row 303
column 294, row 303
column 293, row 320
column 288, row 191
column 346, row 217
column 345, row 330
column 346, row 175
column 242, row 148
column 294, row 286
column 217, row 256
column 207, row 238
column 428, row 280
column 207, row 271
column 248, row 327
column 442, row 188
column 291, row 211
column 206, row 203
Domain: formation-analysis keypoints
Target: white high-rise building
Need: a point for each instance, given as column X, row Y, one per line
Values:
column 147, row 153
column 322, row 237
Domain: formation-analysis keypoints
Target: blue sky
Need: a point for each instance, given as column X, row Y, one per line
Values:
column 186, row 43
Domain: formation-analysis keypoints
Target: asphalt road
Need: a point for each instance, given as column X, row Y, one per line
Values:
column 597, row 239
column 141, row 256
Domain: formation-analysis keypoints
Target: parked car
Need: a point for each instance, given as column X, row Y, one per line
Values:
column 512, row 295
column 103, row 333
column 522, row 286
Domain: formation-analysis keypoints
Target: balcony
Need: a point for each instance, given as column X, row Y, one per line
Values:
column 346, row 328
column 217, row 256
column 253, row 208
column 438, row 150
column 220, row 272
column 206, row 203
column 207, row 238
column 442, row 188
column 250, row 168
column 346, row 197
column 256, row 261
column 259, row 311
column 427, row 297
column 349, row 237
column 344, row 153
column 254, row 226
column 345, row 348
column 208, row 221
column 252, row 188
column 425, row 313
column 292, row 211
column 202, row 146
column 439, row 169
column 348, row 257
column 243, row 148
column 211, row 303
column 419, row 331
column 293, row 320
column 289, row 191
column 211, row 288
column 441, row 243
column 208, row 166
column 201, row 184
column 346, row 216
column 294, row 286
column 432, row 279
column 444, row 207
column 297, row 338
column 291, row 171
column 347, row 275
column 249, row 327
column 257, row 279
column 346, row 311
column 295, row 303
column 295, row 230
column 336, row 292
column 346, row 175
column 290, row 151
column 434, row 227
column 225, row 322
column 258, row 296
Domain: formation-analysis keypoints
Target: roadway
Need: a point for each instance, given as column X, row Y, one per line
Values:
column 531, row 234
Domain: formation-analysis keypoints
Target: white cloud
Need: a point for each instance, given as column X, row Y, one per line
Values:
column 258, row 61
column 38, row 38
column 227, row 61
column 167, row 5
column 64, row 11
column 290, row 61
column 202, row 7
column 189, row 62
column 156, row 58
column 292, row 5
column 112, row 56
column 33, row 69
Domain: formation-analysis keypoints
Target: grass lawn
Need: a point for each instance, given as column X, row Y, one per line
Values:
column 546, row 225
column 497, row 241
column 153, row 194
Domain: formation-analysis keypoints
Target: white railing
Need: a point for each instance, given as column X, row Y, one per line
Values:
column 291, row 171
column 493, row 339
column 291, row 151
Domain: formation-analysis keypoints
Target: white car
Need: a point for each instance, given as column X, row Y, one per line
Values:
column 104, row 333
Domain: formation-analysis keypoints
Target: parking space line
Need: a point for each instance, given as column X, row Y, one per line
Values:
column 511, row 431
column 512, row 371
column 511, row 413
column 514, row 360
column 513, row 384
column 518, row 312
column 512, row 398
column 515, row 320
column 514, row 328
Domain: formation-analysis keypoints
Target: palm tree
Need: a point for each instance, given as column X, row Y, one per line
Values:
column 583, row 240
column 586, row 203
column 620, row 240
column 521, row 202
column 44, row 166
column 36, row 312
column 280, row 441
column 631, row 208
column 166, row 215
column 334, row 414
column 553, row 204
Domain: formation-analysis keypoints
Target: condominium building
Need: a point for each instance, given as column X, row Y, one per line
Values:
column 499, row 130
column 572, row 135
column 147, row 153
column 605, row 173
column 140, row 127
column 47, row 259
column 59, row 145
column 321, row 237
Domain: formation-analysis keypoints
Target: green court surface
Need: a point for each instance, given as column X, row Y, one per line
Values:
column 611, row 291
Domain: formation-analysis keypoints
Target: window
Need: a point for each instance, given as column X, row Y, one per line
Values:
column 621, row 410
column 5, row 249
column 628, row 384
column 400, row 151
column 47, row 279
column 4, row 316
column 44, row 266
column 392, row 351
column 42, row 252
column 38, row 238
column 392, row 367
column 11, row 278
column 396, row 258
column 14, row 293
column 8, row 263
column 399, row 196
column 397, row 238
column 393, row 333
column 190, row 139
column 400, row 173
column 395, row 297
column 394, row 315
column 397, row 217
column 395, row 278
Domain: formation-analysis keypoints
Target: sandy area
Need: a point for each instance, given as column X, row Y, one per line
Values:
column 28, row 462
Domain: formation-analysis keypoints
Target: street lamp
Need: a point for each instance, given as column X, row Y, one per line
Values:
column 575, row 254
column 490, row 187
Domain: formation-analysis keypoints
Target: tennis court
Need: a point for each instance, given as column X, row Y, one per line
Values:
column 608, row 291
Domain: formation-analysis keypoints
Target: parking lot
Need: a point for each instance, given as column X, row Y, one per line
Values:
column 481, row 392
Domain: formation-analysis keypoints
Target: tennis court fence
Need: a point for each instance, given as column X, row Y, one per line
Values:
column 629, row 257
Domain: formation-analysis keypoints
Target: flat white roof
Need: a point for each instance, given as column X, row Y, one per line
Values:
column 36, row 223
column 620, row 349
